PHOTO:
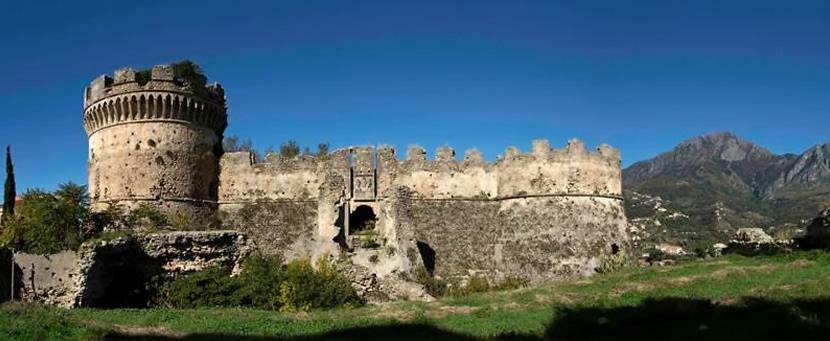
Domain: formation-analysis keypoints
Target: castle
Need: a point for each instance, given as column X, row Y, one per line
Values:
column 547, row 214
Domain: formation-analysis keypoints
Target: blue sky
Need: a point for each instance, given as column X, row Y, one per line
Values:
column 640, row 75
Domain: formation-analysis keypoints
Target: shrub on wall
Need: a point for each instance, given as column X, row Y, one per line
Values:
column 264, row 283
column 433, row 286
column 614, row 262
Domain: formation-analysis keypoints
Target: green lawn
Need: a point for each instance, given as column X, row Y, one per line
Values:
column 731, row 298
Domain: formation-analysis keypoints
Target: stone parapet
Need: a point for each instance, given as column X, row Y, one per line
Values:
column 164, row 96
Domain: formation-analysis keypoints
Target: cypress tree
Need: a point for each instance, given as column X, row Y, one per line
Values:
column 10, row 192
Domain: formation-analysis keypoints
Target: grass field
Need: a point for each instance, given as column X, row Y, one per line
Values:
column 736, row 298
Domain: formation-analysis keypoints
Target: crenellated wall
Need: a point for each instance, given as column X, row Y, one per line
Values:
column 545, row 171
column 549, row 213
column 242, row 180
column 155, row 137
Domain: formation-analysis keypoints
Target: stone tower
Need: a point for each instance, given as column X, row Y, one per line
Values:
column 155, row 137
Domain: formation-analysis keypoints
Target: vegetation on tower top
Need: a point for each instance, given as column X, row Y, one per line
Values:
column 186, row 71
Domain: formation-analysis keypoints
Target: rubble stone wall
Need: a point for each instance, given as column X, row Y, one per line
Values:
column 537, row 238
column 47, row 279
column 549, row 213
column 121, row 272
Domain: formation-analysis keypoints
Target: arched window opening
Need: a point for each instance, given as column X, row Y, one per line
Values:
column 362, row 220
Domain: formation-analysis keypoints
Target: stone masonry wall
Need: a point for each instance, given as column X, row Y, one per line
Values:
column 285, row 228
column 545, row 171
column 546, row 214
column 538, row 238
column 122, row 272
column 154, row 142
column 152, row 161
column 47, row 279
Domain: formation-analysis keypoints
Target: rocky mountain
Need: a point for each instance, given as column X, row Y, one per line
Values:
column 709, row 186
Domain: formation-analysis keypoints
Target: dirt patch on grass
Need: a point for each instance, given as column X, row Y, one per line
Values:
column 144, row 331
column 723, row 273
column 802, row 263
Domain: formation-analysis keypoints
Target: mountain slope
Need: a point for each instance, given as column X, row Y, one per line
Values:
column 708, row 186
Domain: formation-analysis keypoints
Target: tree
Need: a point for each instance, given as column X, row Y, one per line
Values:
column 247, row 146
column 72, row 211
column 230, row 144
column 323, row 150
column 49, row 222
column 10, row 193
column 289, row 149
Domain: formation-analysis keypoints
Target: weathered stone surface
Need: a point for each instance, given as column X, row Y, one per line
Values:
column 537, row 239
column 121, row 271
column 542, row 215
column 154, row 143
column 375, row 290
column 754, row 241
column 47, row 279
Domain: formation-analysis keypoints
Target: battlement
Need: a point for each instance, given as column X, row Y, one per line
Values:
column 542, row 171
column 417, row 156
column 161, row 93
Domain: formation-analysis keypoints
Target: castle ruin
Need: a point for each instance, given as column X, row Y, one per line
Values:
column 547, row 214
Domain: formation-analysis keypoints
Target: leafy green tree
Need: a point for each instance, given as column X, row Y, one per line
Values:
column 72, row 213
column 9, row 193
column 49, row 222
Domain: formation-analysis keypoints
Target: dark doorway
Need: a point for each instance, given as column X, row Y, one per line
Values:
column 340, row 238
column 362, row 220
column 121, row 278
column 427, row 256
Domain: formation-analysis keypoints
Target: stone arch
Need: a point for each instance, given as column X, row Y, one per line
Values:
column 107, row 113
column 159, row 106
column 142, row 107
column 174, row 108
column 134, row 108
column 168, row 104
column 186, row 103
column 111, row 108
column 117, row 105
column 151, row 106
column 362, row 220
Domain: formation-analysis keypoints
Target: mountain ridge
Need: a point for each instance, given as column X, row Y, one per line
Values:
column 721, row 182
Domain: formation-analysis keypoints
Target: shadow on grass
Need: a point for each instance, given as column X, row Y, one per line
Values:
column 654, row 319
column 689, row 319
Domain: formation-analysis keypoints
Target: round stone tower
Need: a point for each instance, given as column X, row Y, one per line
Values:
column 155, row 137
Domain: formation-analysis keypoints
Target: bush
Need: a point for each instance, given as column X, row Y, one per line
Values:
column 146, row 216
column 261, row 277
column 433, row 286
column 212, row 287
column 614, row 262
column 264, row 283
column 474, row 284
column 303, row 288
column 478, row 284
